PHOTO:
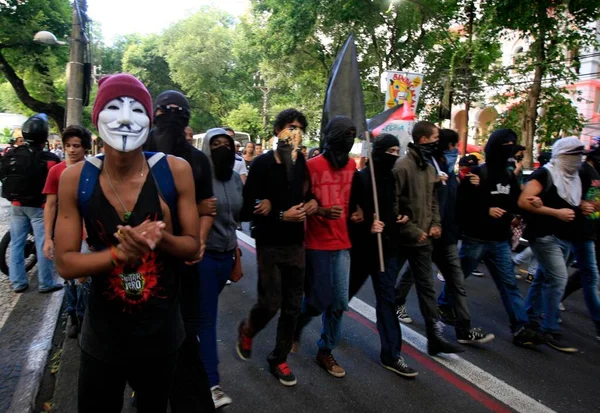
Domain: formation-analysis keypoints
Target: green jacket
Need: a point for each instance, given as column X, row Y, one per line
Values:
column 415, row 197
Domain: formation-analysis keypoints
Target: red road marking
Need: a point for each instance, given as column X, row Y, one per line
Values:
column 429, row 363
column 463, row 385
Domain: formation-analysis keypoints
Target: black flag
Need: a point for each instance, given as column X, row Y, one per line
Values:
column 344, row 95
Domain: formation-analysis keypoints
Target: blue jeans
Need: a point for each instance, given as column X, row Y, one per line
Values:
column 384, row 284
column 215, row 269
column 22, row 220
column 497, row 257
column 549, row 283
column 585, row 254
column 524, row 256
column 76, row 292
column 328, row 277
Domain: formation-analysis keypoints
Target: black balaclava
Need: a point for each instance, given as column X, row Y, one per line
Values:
column 222, row 158
column 168, row 135
column 384, row 162
column 496, row 152
column 338, row 139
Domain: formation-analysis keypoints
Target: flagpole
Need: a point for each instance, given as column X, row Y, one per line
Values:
column 375, row 201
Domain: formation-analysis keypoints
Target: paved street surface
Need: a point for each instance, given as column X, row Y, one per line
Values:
column 497, row 377
column 26, row 326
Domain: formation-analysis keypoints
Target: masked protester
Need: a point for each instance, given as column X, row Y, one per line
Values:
column 445, row 251
column 327, row 240
column 133, row 327
column 171, row 118
column 486, row 210
column 364, row 254
column 515, row 163
column 557, row 228
column 217, row 263
column 465, row 164
column 23, row 186
column 277, row 199
column 415, row 198
column 588, row 224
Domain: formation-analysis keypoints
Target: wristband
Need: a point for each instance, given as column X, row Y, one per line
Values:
column 114, row 257
column 281, row 215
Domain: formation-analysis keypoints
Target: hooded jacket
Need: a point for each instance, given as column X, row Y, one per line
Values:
column 222, row 236
column 415, row 197
column 499, row 188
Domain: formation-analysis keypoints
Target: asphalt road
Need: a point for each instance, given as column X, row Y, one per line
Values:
column 498, row 376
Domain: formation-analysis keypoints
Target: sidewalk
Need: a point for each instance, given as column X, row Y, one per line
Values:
column 65, row 391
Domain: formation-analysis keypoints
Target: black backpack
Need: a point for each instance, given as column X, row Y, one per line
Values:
column 23, row 174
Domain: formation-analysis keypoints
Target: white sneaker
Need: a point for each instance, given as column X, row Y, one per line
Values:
column 561, row 307
column 402, row 314
column 441, row 277
column 228, row 282
column 219, row 397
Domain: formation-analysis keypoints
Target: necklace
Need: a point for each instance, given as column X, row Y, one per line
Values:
column 127, row 213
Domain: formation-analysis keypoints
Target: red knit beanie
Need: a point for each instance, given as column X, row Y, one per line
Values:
column 119, row 85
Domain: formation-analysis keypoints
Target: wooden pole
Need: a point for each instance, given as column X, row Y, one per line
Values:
column 375, row 201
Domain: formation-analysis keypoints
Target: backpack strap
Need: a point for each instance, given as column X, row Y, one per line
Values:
column 161, row 173
column 87, row 182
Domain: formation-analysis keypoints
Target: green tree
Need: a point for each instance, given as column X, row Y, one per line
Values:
column 556, row 29
column 35, row 72
column 246, row 118
column 144, row 60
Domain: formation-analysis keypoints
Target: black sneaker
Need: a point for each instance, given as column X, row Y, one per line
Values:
column 244, row 343
column 447, row 315
column 400, row 367
column 557, row 342
column 402, row 315
column 526, row 337
column 477, row 273
column 472, row 336
column 436, row 343
column 283, row 373
column 55, row 287
column 73, row 326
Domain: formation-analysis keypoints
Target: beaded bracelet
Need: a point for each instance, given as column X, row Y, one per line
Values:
column 114, row 257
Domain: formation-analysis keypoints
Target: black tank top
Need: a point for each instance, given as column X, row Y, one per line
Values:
column 132, row 312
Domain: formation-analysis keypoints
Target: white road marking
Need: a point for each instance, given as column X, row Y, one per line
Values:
column 493, row 386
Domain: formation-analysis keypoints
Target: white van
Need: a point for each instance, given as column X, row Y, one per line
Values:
column 242, row 137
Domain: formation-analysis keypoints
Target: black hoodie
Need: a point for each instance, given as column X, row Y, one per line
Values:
column 499, row 188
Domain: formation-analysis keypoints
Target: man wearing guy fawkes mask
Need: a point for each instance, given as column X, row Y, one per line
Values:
column 171, row 117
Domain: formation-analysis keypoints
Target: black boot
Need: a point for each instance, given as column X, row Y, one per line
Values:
column 73, row 326
column 436, row 343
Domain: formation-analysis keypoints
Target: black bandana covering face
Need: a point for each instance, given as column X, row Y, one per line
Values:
column 338, row 141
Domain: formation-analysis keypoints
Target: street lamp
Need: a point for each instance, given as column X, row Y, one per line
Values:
column 47, row 39
column 75, row 68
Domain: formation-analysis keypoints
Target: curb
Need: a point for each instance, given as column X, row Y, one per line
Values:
column 28, row 386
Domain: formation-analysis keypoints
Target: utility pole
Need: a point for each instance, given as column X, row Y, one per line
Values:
column 75, row 72
column 259, row 83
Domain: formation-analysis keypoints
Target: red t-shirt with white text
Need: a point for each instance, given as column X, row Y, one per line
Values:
column 330, row 187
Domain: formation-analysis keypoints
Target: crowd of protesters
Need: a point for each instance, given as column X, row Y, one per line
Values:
column 144, row 236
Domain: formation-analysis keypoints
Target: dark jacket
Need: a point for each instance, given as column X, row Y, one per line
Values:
column 447, row 195
column 415, row 197
column 362, row 195
column 267, row 179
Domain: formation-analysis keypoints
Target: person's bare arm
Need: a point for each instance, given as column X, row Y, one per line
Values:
column 70, row 262
column 186, row 245
column 530, row 192
column 49, row 214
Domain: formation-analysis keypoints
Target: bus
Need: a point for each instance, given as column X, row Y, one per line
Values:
column 242, row 137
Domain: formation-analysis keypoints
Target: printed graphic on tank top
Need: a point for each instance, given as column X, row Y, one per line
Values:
column 132, row 311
